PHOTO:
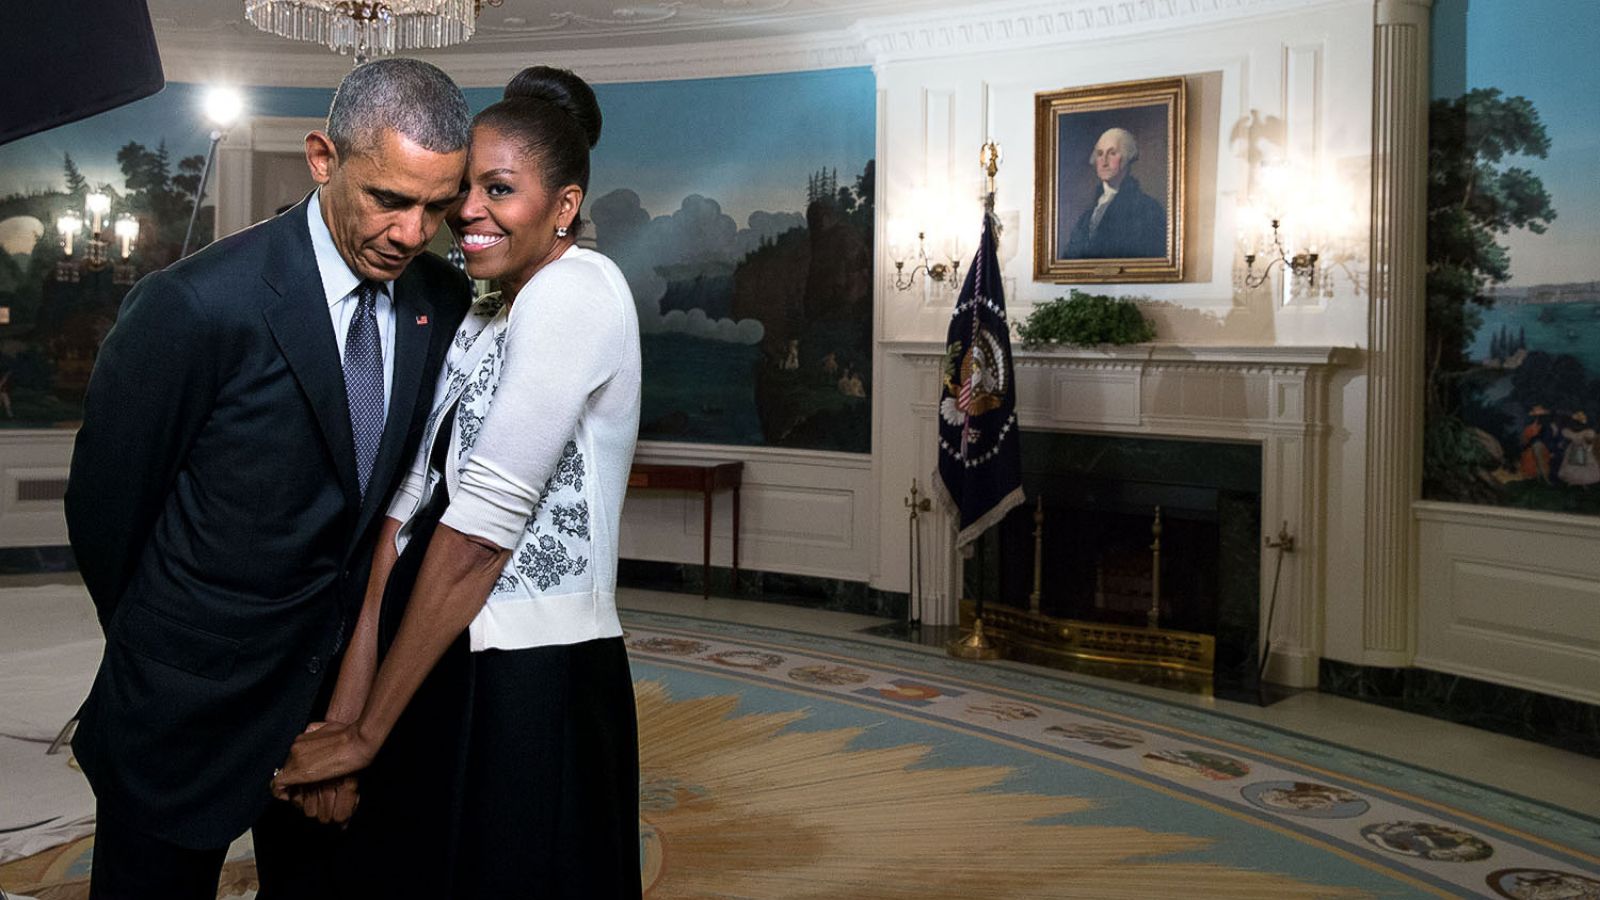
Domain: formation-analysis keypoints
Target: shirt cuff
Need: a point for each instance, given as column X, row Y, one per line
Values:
column 407, row 498
column 490, row 504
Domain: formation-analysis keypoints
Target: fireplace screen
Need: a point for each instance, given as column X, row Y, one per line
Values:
column 1132, row 534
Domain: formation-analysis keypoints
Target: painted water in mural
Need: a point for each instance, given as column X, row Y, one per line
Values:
column 1513, row 347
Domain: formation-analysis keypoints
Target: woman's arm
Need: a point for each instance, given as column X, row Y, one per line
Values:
column 361, row 656
column 535, row 411
column 457, row 575
column 336, row 801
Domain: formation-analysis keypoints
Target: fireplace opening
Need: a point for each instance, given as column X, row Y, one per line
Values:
column 1135, row 558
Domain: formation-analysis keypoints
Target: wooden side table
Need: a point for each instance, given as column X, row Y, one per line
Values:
column 706, row 478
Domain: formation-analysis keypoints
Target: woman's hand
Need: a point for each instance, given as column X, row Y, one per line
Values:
column 332, row 751
column 331, row 802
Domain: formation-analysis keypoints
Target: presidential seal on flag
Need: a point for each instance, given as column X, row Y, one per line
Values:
column 980, row 460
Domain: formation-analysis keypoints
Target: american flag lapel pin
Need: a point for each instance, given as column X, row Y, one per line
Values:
column 422, row 320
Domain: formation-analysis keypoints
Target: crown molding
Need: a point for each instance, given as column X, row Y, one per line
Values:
column 187, row 60
column 1009, row 25
column 1025, row 24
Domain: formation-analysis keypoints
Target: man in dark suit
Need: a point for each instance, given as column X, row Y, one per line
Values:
column 247, row 416
column 1124, row 221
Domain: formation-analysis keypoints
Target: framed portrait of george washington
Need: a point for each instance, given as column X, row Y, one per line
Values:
column 1108, row 186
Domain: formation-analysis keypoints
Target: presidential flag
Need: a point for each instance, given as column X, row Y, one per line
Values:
column 980, row 460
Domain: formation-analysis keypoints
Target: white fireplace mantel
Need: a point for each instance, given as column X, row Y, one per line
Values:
column 1275, row 396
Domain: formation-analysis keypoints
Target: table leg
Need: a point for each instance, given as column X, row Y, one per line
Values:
column 705, row 568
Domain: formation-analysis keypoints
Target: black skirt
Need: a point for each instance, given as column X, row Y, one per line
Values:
column 512, row 773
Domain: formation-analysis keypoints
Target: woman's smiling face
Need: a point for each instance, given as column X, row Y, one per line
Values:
column 507, row 218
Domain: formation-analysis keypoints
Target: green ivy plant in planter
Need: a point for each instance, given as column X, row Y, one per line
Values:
column 1086, row 320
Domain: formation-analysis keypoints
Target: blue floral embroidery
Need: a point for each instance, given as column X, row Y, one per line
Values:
column 547, row 562
column 468, row 417
column 505, row 584
column 572, row 521
column 470, row 424
column 569, row 470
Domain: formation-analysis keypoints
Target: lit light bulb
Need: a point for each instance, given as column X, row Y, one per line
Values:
column 68, row 225
column 223, row 105
column 127, row 229
column 97, row 205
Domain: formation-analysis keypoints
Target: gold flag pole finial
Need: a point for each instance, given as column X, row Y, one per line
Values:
column 989, row 157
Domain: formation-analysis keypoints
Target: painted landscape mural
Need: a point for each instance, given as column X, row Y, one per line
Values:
column 740, row 210
column 1513, row 359
column 59, row 296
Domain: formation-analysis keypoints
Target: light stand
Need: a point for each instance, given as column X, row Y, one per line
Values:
column 222, row 108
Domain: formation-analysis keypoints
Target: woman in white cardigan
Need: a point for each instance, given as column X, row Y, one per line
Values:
column 496, row 741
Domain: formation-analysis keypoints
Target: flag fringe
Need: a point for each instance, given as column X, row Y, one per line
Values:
column 991, row 518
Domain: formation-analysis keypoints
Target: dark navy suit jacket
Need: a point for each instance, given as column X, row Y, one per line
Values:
column 1133, row 226
column 214, row 511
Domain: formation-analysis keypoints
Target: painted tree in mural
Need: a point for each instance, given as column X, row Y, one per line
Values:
column 57, row 317
column 812, row 290
column 155, row 194
column 1474, row 196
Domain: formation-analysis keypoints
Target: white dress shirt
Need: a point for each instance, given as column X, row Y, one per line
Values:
column 339, row 284
column 1107, row 194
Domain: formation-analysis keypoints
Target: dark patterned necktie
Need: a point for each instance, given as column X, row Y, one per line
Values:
column 363, row 379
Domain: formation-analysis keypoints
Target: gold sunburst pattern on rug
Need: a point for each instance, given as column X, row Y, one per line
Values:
column 742, row 806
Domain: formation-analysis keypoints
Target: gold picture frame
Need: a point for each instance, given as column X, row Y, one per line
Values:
column 1128, row 137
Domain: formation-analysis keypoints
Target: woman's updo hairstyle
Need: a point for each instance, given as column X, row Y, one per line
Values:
column 554, row 114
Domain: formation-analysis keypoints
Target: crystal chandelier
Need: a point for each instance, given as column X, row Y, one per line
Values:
column 369, row 28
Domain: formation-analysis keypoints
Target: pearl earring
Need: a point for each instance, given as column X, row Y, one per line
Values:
column 561, row 231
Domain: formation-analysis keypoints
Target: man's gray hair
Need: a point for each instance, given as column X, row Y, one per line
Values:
column 1130, row 146
column 409, row 96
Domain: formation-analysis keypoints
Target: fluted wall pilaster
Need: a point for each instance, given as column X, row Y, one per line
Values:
column 1395, row 327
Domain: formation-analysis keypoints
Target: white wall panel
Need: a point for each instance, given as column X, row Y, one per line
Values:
column 801, row 512
column 33, row 462
column 1511, row 597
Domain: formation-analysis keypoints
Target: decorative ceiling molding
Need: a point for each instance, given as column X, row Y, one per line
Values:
column 1035, row 23
column 203, row 62
column 208, row 49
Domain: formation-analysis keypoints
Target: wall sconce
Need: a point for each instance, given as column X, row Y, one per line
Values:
column 1301, row 265
column 937, row 271
column 97, row 205
column 127, row 231
column 68, row 224
column 1304, row 223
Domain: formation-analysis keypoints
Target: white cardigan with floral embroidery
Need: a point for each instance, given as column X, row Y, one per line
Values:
column 540, row 449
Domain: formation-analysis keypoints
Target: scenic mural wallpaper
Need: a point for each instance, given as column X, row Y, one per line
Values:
column 1513, row 358
column 145, row 160
column 740, row 210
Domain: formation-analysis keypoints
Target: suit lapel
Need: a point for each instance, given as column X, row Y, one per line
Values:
column 413, row 331
column 300, row 326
